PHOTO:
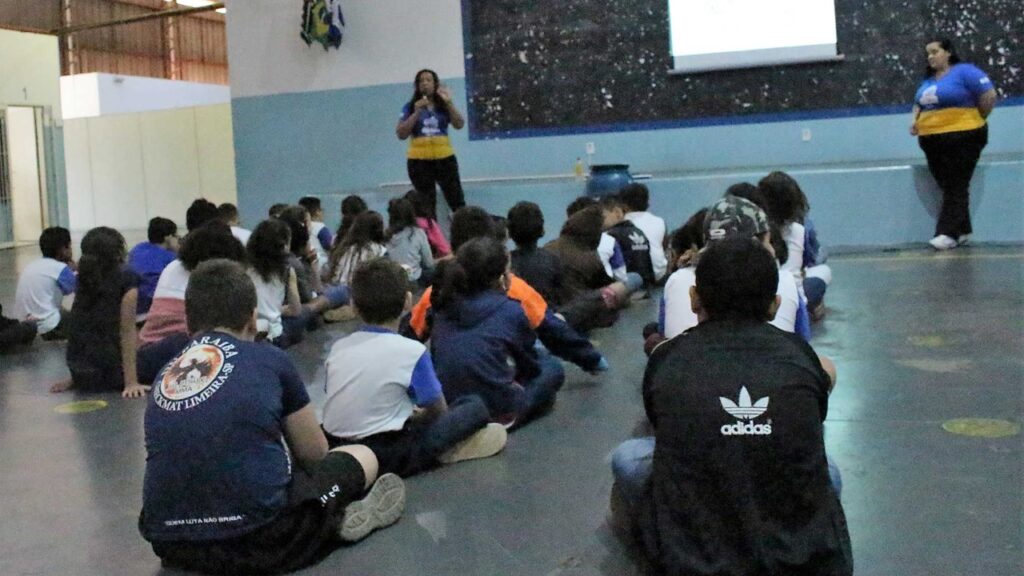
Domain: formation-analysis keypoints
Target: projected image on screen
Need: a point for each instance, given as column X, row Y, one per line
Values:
column 720, row 34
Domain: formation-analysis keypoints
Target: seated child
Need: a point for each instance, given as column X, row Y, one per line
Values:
column 730, row 217
column 737, row 462
column 238, row 477
column 199, row 213
column 275, row 210
column 44, row 283
column 351, row 206
column 585, row 277
column 14, row 332
column 636, row 250
column 364, row 242
column 228, row 214
column 608, row 248
column 408, row 244
column 320, row 238
column 382, row 390
column 313, row 294
column 165, row 332
column 636, row 199
column 277, row 290
column 555, row 333
column 541, row 269
column 101, row 327
column 482, row 341
column 424, row 210
column 148, row 260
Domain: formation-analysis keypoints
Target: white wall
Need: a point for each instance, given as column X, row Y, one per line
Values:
column 80, row 95
column 125, row 169
column 29, row 70
column 385, row 42
column 95, row 94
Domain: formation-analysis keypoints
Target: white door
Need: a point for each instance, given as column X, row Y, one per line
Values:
column 25, row 181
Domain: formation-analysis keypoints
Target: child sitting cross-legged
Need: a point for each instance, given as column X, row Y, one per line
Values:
column 382, row 390
column 101, row 327
column 483, row 340
column 239, row 479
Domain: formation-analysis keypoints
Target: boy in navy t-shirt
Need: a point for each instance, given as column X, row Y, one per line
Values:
column 238, row 475
column 148, row 259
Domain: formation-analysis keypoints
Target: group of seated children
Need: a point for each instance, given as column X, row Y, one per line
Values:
column 498, row 326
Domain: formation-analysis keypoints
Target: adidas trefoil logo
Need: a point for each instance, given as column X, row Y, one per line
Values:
column 745, row 410
column 639, row 241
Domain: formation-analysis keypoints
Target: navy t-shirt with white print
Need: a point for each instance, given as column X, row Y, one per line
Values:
column 217, row 465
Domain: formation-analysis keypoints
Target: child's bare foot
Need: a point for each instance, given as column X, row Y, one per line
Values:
column 61, row 386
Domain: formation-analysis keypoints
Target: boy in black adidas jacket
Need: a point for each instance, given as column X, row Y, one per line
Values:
column 735, row 480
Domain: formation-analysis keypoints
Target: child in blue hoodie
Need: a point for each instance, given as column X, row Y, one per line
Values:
column 482, row 341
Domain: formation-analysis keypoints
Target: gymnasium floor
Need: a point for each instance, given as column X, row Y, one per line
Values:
column 919, row 339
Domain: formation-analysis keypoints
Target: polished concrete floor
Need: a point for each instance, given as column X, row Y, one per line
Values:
column 919, row 339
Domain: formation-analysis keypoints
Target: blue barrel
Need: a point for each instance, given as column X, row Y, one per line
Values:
column 607, row 179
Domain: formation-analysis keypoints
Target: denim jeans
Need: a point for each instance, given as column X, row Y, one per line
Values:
column 293, row 329
column 542, row 389
column 417, row 446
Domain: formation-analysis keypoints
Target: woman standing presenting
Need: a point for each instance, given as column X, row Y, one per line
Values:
column 426, row 118
column 950, row 109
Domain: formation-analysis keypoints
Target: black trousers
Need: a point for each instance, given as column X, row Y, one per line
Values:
column 426, row 175
column 952, row 158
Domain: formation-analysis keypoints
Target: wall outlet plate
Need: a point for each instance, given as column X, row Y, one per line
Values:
column 805, row 134
column 591, row 148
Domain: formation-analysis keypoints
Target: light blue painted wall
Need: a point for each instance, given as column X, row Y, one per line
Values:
column 864, row 175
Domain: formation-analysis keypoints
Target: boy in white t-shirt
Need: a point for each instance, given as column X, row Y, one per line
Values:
column 320, row 237
column 382, row 390
column 229, row 215
column 729, row 217
column 44, row 284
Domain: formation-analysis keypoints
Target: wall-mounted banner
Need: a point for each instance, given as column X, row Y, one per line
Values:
column 322, row 22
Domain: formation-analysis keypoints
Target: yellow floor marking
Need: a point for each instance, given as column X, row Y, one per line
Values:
column 929, row 341
column 81, row 407
column 981, row 427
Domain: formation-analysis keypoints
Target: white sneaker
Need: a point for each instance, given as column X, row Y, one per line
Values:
column 963, row 240
column 382, row 506
column 942, row 242
column 487, row 441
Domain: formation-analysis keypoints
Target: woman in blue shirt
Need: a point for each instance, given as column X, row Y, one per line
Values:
column 950, row 109
column 431, row 158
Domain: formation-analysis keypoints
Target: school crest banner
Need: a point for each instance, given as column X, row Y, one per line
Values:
column 322, row 22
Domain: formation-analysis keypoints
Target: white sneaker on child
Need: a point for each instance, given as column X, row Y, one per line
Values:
column 487, row 441
column 942, row 242
column 382, row 506
column 963, row 240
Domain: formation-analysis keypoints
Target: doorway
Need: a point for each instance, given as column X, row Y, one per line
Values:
column 23, row 184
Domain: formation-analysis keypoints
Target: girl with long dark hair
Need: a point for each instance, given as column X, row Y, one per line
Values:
column 351, row 206
column 101, row 332
column 482, row 340
column 407, row 243
column 365, row 241
column 431, row 158
column 277, row 289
